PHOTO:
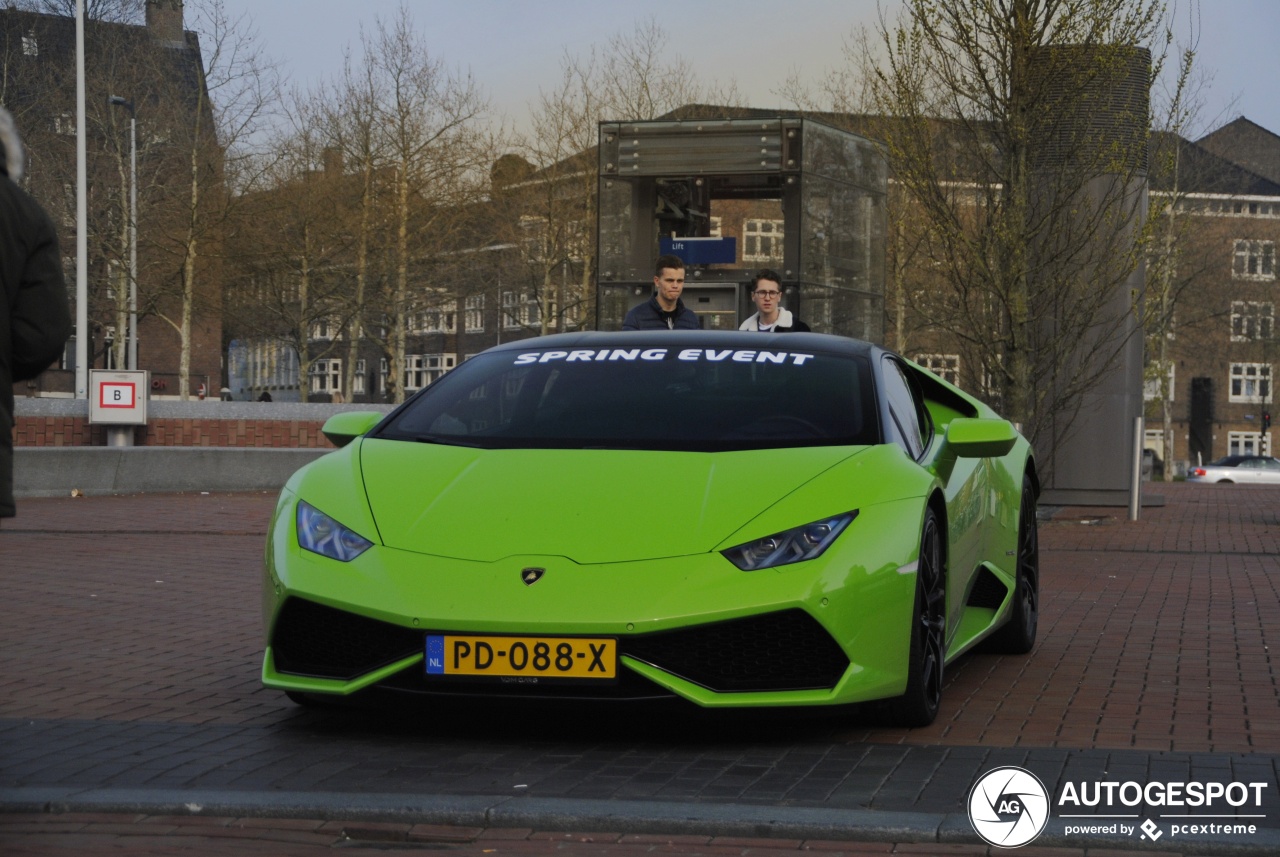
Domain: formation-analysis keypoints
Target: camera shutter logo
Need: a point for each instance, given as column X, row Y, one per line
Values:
column 1008, row 807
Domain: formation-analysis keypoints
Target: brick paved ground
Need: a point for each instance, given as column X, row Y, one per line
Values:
column 130, row 651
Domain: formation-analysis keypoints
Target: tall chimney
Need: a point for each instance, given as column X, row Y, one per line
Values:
column 164, row 21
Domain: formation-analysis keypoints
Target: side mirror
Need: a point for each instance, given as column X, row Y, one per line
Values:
column 980, row 438
column 345, row 427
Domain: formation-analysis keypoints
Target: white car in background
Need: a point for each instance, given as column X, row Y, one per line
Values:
column 1244, row 469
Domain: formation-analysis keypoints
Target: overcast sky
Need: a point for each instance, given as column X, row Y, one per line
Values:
column 514, row 47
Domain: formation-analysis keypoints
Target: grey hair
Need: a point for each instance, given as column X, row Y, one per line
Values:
column 10, row 147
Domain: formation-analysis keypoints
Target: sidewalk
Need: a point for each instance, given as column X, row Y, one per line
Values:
column 129, row 668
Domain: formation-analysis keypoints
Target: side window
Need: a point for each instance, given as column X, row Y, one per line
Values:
column 911, row 421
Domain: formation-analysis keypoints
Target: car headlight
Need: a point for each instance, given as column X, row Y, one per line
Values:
column 319, row 533
column 794, row 545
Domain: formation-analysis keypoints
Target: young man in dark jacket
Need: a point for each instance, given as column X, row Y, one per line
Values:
column 35, row 318
column 665, row 310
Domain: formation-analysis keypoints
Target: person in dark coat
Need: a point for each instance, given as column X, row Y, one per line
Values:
column 665, row 310
column 766, row 294
column 35, row 316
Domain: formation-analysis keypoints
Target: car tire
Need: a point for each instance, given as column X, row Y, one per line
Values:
column 919, row 705
column 304, row 700
column 1018, row 635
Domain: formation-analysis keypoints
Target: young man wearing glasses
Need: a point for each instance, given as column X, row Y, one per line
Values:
column 766, row 294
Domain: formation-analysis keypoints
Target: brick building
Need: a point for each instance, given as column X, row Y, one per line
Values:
column 154, row 72
column 1220, row 346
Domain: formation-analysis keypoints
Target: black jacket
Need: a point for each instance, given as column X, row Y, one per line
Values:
column 35, row 316
column 651, row 316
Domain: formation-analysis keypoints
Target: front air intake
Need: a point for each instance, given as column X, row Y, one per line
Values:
column 313, row 640
column 788, row 650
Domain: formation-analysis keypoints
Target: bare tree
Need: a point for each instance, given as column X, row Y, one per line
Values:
column 114, row 11
column 437, row 152
column 1180, row 274
column 631, row 77
column 42, row 95
column 291, row 251
column 213, row 122
column 970, row 101
column 351, row 122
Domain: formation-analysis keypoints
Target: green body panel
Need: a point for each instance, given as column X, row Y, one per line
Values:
column 858, row 590
column 590, row 505
column 981, row 438
column 345, row 427
column 631, row 542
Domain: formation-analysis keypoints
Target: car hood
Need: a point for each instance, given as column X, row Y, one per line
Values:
column 590, row 505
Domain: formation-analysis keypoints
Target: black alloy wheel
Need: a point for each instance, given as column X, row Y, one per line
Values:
column 919, row 705
column 1018, row 635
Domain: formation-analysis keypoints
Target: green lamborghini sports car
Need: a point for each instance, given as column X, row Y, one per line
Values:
column 731, row 518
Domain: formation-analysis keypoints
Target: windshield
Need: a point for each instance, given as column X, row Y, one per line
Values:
column 696, row 399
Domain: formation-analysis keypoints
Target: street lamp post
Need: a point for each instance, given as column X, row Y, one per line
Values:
column 133, row 226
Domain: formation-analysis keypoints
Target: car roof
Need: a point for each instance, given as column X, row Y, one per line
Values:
column 1233, row 460
column 698, row 338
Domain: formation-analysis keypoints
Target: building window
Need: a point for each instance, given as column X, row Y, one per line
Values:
column 510, row 314
column 30, row 46
column 65, row 124
column 440, row 319
column 271, row 365
column 1153, row 439
column 473, row 314
column 761, row 240
column 715, row 227
column 1254, row 260
column 519, row 310
column 572, row 309
column 1151, row 386
column 530, row 310
column 945, row 366
column 357, row 380
column 324, row 328
column 420, row 370
column 1248, row 443
column 1250, row 382
column 384, row 371
column 1252, row 320
column 326, row 376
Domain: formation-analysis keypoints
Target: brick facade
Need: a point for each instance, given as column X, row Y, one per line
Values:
column 76, row 431
column 63, row 422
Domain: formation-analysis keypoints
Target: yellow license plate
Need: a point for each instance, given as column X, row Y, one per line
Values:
column 543, row 657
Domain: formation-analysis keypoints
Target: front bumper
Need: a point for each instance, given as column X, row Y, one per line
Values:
column 828, row 631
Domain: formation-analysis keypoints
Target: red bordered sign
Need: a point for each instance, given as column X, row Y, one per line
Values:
column 117, row 395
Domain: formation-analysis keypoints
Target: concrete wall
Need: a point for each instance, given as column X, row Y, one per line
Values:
column 91, row 470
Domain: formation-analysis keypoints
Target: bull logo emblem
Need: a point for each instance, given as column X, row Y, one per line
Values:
column 530, row 576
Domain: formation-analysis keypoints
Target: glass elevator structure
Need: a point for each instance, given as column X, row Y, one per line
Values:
column 732, row 196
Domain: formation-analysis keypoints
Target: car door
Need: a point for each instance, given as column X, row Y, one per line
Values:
column 964, row 490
